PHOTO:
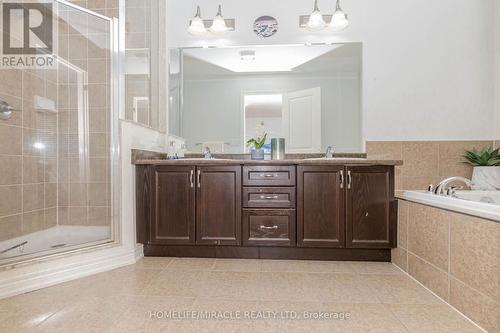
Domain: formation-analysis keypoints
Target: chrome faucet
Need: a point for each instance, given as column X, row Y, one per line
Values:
column 330, row 152
column 442, row 187
column 207, row 153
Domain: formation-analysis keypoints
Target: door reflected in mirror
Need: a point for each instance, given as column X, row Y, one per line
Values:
column 309, row 95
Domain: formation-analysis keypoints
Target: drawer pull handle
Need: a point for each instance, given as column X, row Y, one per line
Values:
column 268, row 197
column 274, row 227
column 341, row 178
column 198, row 180
column 191, row 178
column 268, row 175
column 349, row 180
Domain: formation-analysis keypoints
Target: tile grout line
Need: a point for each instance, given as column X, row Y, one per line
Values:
column 448, row 304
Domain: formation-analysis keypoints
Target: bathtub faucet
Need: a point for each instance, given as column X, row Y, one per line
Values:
column 443, row 185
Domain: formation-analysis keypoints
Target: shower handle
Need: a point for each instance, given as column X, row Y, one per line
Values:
column 6, row 110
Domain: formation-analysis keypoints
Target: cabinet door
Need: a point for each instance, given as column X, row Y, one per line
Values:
column 320, row 206
column 218, row 205
column 370, row 221
column 173, row 211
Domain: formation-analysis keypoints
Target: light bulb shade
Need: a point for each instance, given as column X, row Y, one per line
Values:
column 316, row 21
column 197, row 27
column 339, row 21
column 219, row 24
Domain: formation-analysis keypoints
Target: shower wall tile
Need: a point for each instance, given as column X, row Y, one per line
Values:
column 99, row 121
column 11, row 142
column 50, row 195
column 97, row 193
column 11, row 170
column 12, row 82
column 33, row 197
column 77, row 194
column 11, row 201
column 33, row 221
column 33, row 169
column 10, row 227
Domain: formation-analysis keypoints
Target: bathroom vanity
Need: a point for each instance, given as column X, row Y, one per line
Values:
column 323, row 209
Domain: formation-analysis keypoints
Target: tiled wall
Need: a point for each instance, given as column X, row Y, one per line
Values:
column 454, row 255
column 104, row 7
column 84, row 132
column 425, row 162
column 28, row 154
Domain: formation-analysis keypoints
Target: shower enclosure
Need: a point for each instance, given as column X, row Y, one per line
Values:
column 58, row 145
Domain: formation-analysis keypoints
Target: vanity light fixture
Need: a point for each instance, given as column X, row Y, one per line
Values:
column 218, row 26
column 197, row 26
column 339, row 20
column 316, row 21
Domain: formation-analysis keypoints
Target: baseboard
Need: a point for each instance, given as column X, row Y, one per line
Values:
column 267, row 252
column 28, row 279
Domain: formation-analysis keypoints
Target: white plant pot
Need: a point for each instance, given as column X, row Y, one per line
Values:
column 486, row 178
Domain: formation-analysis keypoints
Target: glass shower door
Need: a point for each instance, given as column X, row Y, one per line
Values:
column 60, row 164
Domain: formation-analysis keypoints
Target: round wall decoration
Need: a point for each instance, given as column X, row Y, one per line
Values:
column 265, row 26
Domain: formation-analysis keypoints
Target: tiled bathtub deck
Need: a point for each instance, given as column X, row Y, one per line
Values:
column 358, row 297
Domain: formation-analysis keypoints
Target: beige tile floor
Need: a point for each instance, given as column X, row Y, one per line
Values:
column 358, row 297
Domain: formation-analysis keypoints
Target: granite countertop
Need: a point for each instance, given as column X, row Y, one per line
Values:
column 141, row 157
column 336, row 161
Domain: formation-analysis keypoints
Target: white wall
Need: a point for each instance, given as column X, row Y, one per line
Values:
column 206, row 118
column 427, row 69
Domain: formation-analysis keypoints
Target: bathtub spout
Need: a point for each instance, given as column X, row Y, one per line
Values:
column 442, row 186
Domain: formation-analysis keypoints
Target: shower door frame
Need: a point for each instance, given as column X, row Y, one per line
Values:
column 116, row 51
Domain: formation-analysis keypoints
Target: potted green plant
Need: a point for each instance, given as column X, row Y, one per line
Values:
column 486, row 172
column 257, row 152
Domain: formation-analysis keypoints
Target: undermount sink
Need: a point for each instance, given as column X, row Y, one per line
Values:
column 335, row 158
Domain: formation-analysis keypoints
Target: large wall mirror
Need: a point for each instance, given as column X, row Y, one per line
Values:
column 308, row 94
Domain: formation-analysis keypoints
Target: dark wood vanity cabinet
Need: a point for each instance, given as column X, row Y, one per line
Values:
column 370, row 207
column 352, row 207
column 173, row 205
column 305, row 211
column 320, row 206
column 190, row 205
column 218, row 205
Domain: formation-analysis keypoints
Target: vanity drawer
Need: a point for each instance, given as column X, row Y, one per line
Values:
column 269, row 175
column 269, row 197
column 266, row 227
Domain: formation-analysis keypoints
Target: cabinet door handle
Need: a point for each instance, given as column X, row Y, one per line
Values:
column 341, row 178
column 268, row 175
column 198, row 178
column 274, row 227
column 349, row 179
column 269, row 197
column 191, row 178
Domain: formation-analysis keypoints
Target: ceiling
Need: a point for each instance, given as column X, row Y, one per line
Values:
column 287, row 60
